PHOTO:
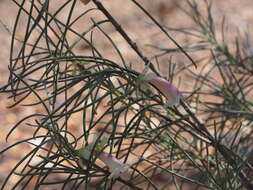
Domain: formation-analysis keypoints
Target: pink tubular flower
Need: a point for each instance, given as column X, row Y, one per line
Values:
column 116, row 167
column 165, row 87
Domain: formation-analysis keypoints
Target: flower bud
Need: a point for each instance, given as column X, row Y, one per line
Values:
column 85, row 1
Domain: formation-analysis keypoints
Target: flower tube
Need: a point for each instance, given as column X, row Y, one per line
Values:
column 165, row 87
column 116, row 167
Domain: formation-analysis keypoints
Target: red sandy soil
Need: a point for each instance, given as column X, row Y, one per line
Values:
column 239, row 15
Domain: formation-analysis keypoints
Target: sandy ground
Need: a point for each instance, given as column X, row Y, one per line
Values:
column 239, row 15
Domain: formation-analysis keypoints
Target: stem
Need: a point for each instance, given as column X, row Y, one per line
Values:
column 227, row 154
column 125, row 36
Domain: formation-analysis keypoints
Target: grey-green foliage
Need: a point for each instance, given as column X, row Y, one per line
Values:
column 156, row 141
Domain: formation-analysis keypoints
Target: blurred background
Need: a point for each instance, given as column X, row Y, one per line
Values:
column 239, row 19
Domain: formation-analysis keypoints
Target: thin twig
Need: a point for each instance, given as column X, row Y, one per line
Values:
column 125, row 36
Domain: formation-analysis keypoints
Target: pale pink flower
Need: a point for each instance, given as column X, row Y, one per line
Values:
column 116, row 167
column 165, row 87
